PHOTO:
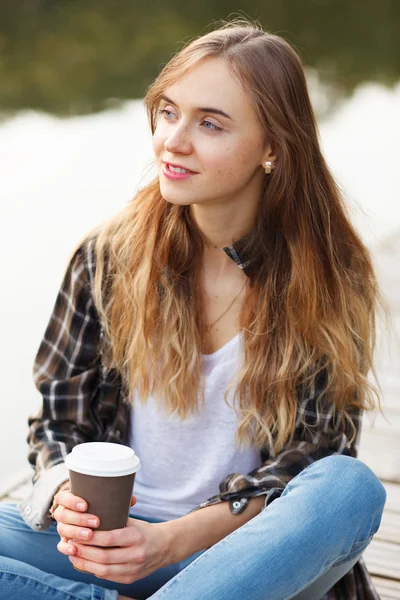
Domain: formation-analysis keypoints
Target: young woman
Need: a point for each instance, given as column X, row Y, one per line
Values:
column 223, row 325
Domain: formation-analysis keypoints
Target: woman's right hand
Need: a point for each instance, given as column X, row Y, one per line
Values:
column 72, row 521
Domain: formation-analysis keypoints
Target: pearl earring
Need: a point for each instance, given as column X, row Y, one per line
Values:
column 268, row 167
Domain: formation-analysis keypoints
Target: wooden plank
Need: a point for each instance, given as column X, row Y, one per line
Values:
column 381, row 439
column 384, row 465
column 14, row 481
column 380, row 450
column 393, row 496
column 387, row 588
column 20, row 492
column 383, row 559
column 389, row 531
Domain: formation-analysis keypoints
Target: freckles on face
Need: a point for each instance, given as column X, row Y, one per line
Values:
column 236, row 162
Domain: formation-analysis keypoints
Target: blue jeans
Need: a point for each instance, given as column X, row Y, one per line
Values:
column 298, row 547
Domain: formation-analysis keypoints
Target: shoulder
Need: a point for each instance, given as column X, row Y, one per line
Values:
column 81, row 266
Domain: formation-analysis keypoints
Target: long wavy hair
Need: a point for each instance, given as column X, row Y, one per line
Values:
column 312, row 293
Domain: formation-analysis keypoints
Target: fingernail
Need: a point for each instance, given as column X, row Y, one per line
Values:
column 80, row 505
column 71, row 549
column 92, row 522
column 85, row 533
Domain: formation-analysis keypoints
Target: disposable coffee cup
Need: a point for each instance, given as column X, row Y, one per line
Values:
column 103, row 474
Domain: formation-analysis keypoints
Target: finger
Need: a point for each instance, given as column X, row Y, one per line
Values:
column 67, row 499
column 71, row 517
column 73, row 532
column 107, row 556
column 128, row 536
column 117, row 573
column 66, row 547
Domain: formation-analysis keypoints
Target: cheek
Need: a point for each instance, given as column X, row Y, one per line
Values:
column 235, row 166
column 158, row 142
column 227, row 175
column 223, row 164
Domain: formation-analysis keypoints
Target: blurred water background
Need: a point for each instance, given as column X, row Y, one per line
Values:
column 75, row 144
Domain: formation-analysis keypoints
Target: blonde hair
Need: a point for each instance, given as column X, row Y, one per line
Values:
column 312, row 294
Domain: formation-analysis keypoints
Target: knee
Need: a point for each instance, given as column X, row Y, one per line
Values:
column 354, row 484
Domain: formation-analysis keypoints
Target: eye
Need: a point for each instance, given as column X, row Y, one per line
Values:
column 212, row 126
column 165, row 113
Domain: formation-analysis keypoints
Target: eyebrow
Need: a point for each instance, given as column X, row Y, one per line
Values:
column 205, row 109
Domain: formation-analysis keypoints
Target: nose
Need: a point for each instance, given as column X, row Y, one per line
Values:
column 178, row 141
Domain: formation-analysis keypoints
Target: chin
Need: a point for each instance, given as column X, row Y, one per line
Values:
column 178, row 199
column 177, row 202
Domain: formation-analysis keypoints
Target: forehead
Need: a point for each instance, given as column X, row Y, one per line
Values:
column 211, row 83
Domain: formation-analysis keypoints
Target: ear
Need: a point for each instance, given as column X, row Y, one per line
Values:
column 269, row 155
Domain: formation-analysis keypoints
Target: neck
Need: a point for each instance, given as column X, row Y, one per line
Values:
column 220, row 226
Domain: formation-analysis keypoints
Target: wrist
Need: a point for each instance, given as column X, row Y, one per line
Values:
column 64, row 486
column 201, row 529
column 174, row 541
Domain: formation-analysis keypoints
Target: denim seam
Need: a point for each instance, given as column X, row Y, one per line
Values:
column 100, row 593
column 28, row 577
column 358, row 549
column 321, row 574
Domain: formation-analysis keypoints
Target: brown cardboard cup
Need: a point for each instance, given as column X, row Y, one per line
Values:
column 109, row 498
column 103, row 474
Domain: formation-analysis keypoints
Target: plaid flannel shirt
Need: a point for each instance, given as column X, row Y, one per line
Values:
column 83, row 402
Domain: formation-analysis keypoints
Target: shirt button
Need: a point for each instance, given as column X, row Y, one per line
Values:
column 236, row 505
column 27, row 510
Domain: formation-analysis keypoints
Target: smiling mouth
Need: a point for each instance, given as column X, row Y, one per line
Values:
column 177, row 169
column 173, row 169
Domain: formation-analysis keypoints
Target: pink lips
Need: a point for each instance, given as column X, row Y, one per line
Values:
column 175, row 176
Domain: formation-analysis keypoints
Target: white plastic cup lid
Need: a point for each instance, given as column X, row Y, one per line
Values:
column 103, row 459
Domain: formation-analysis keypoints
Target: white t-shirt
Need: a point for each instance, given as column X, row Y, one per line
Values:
column 183, row 462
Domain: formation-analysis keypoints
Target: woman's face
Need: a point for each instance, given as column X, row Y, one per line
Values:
column 209, row 127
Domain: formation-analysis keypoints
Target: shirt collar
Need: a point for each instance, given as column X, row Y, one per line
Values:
column 236, row 254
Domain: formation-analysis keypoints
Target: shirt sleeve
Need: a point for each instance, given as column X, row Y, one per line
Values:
column 318, row 433
column 67, row 373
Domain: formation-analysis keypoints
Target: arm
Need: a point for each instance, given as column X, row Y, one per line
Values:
column 204, row 528
column 67, row 374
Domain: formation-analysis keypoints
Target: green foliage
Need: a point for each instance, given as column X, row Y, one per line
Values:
column 76, row 57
